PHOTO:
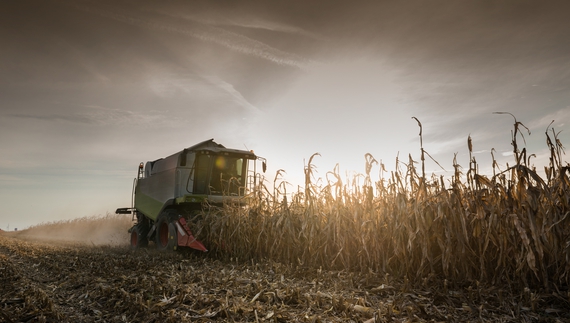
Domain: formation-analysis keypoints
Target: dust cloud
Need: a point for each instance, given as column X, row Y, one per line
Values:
column 108, row 230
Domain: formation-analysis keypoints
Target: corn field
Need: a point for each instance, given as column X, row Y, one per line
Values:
column 508, row 228
column 406, row 248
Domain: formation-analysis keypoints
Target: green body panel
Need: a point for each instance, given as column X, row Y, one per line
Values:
column 151, row 208
column 147, row 205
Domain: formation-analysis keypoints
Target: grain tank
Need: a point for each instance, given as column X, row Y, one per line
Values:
column 169, row 191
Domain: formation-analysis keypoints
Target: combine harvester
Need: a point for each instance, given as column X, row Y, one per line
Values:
column 167, row 192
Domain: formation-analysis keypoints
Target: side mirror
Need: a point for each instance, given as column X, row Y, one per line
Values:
column 264, row 166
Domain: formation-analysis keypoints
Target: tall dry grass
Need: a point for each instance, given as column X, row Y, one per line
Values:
column 511, row 227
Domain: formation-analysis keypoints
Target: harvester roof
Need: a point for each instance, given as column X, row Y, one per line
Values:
column 212, row 146
column 207, row 145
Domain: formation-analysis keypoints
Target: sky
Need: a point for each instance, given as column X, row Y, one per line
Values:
column 89, row 89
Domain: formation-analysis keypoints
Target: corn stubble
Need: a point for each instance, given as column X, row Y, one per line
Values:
column 510, row 229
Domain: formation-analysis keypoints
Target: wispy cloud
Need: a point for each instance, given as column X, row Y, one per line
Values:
column 101, row 116
column 9, row 178
column 559, row 119
column 251, row 22
column 272, row 26
column 169, row 85
column 51, row 117
column 108, row 116
column 204, row 32
column 238, row 98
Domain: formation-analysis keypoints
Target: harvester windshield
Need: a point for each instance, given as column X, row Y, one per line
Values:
column 220, row 175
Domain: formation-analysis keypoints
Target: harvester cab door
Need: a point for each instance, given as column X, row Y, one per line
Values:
column 202, row 174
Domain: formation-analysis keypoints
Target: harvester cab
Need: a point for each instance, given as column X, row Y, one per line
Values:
column 167, row 192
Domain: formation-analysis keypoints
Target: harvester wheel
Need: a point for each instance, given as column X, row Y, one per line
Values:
column 138, row 237
column 166, row 237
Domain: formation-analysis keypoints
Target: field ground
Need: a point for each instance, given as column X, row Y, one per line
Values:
column 65, row 282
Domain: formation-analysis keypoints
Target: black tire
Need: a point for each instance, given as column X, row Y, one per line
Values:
column 139, row 237
column 139, row 233
column 166, row 235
